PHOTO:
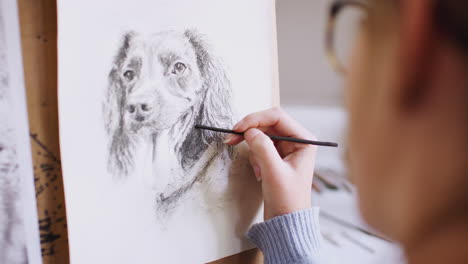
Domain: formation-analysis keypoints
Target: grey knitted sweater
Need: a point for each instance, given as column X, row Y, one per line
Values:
column 289, row 239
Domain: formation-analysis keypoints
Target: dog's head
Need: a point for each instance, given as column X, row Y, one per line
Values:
column 160, row 81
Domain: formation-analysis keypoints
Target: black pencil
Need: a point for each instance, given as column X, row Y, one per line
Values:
column 290, row 139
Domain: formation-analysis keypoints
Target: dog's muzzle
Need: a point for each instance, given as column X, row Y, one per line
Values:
column 139, row 111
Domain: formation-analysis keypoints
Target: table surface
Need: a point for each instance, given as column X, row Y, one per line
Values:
column 38, row 21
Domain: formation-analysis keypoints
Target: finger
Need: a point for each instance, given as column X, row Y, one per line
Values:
column 303, row 160
column 233, row 139
column 262, row 149
column 255, row 166
column 285, row 147
column 275, row 118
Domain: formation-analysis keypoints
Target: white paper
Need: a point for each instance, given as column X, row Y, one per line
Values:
column 19, row 234
column 141, row 185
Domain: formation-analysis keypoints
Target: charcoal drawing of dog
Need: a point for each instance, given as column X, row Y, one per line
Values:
column 160, row 86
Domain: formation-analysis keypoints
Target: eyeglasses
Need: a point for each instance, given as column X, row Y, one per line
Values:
column 344, row 23
column 346, row 17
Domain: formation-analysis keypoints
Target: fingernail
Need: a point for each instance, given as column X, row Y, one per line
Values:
column 236, row 127
column 228, row 139
column 257, row 173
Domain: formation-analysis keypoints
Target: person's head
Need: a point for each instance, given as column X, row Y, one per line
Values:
column 407, row 91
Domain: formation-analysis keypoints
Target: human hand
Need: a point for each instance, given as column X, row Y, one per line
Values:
column 285, row 168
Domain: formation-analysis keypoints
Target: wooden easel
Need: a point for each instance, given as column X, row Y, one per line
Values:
column 39, row 40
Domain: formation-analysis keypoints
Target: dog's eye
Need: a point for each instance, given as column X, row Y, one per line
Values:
column 129, row 75
column 179, row 68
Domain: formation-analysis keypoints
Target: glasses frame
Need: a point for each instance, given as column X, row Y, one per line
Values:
column 444, row 19
column 335, row 10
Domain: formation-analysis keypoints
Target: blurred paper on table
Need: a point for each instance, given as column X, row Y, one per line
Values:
column 19, row 235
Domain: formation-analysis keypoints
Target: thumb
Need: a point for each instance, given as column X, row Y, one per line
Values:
column 263, row 148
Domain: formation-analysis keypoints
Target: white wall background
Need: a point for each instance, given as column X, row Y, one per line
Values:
column 306, row 78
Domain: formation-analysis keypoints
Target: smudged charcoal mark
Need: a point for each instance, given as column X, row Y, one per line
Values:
column 53, row 178
column 45, row 173
column 50, row 251
column 39, row 190
column 52, row 227
column 46, row 235
column 47, row 167
column 40, row 144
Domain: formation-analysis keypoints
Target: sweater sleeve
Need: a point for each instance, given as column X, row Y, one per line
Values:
column 293, row 238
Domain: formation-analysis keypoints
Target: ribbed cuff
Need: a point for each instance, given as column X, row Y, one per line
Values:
column 288, row 238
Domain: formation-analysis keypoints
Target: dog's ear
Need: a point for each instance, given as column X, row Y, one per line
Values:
column 115, row 95
column 120, row 143
column 216, row 108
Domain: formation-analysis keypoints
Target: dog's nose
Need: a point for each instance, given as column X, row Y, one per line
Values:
column 139, row 111
column 132, row 108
